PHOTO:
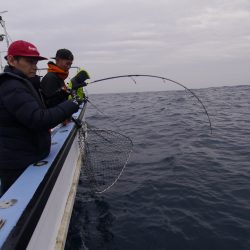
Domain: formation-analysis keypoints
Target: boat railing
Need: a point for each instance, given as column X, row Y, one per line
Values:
column 22, row 205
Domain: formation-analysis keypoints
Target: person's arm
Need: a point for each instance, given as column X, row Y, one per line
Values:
column 51, row 84
column 19, row 102
column 53, row 89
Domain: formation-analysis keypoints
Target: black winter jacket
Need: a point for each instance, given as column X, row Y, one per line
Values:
column 25, row 122
column 51, row 86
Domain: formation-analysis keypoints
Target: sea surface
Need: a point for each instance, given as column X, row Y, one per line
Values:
column 183, row 187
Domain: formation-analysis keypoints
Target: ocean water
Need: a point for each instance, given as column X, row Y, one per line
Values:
column 183, row 187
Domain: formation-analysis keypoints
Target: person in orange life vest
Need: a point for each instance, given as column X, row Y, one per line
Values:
column 53, row 86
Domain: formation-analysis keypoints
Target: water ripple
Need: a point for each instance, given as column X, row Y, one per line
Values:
column 183, row 187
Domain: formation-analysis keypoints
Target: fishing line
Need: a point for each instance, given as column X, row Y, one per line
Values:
column 164, row 81
column 94, row 106
column 105, row 153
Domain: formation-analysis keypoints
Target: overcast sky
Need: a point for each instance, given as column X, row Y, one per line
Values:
column 200, row 43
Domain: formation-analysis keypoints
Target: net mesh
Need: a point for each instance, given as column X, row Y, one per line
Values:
column 105, row 154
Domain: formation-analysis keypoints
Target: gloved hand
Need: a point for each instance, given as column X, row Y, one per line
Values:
column 66, row 91
column 79, row 80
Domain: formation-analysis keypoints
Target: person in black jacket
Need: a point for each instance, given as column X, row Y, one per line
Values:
column 52, row 85
column 24, row 120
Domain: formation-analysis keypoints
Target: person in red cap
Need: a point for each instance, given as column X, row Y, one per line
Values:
column 24, row 119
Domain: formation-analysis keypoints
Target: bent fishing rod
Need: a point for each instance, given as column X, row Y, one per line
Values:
column 164, row 79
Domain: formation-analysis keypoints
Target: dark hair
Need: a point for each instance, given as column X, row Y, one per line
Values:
column 17, row 57
column 64, row 54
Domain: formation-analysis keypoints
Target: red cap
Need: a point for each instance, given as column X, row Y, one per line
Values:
column 23, row 48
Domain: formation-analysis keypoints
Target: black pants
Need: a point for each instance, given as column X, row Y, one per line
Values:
column 8, row 177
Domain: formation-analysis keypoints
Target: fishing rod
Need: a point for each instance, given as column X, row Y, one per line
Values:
column 162, row 78
column 105, row 153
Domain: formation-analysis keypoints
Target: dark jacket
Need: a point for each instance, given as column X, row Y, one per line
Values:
column 25, row 122
column 53, row 86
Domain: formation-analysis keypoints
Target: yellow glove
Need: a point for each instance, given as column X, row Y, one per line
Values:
column 79, row 81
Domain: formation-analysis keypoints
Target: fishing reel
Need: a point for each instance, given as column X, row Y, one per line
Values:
column 75, row 97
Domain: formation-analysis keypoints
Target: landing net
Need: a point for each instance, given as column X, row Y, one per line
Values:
column 105, row 154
